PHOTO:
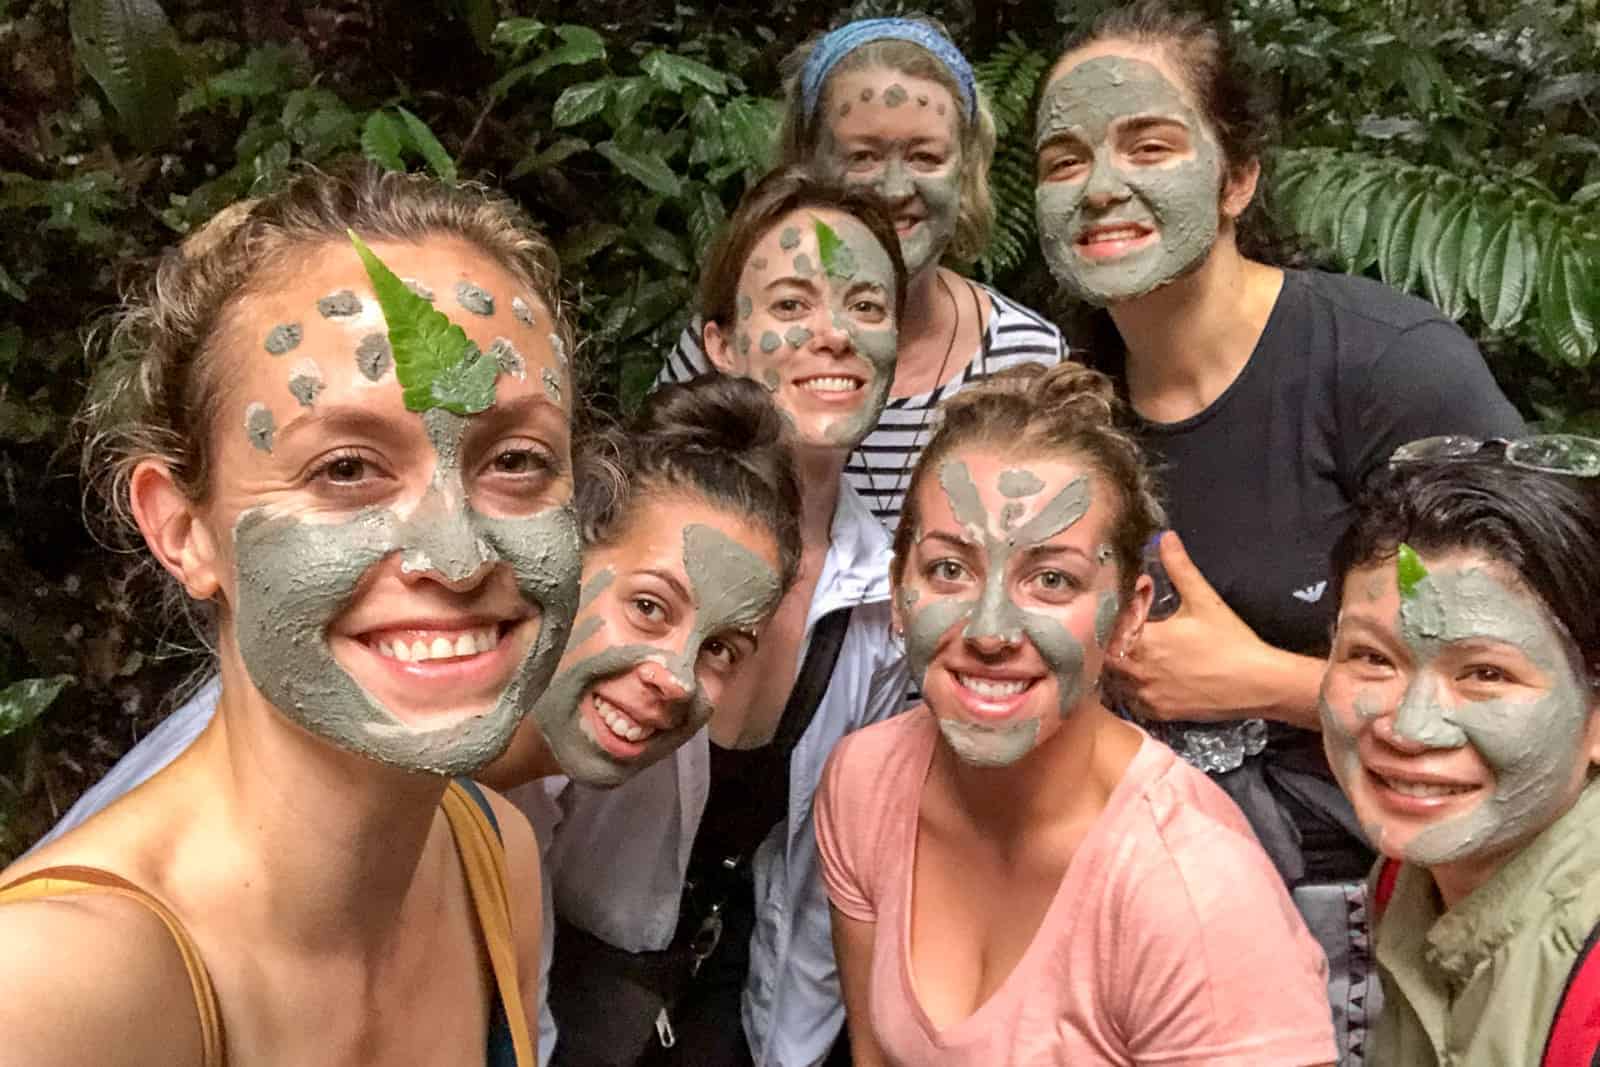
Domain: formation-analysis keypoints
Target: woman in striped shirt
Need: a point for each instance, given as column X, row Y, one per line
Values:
column 892, row 105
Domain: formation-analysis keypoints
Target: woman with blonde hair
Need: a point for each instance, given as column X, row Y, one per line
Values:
column 892, row 105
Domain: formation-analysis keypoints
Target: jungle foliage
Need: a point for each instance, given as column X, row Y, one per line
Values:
column 1447, row 146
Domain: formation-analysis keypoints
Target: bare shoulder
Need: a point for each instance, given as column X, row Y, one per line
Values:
column 93, row 978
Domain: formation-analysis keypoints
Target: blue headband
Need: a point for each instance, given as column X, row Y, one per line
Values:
column 852, row 35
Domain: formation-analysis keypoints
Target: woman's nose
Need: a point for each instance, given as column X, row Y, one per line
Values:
column 1106, row 185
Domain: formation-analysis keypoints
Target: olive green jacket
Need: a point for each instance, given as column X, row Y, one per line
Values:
column 1477, row 986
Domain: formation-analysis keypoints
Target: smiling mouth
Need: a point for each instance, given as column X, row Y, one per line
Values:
column 905, row 223
column 618, row 721
column 992, row 688
column 1106, row 241
column 831, row 385
column 418, row 646
column 1421, row 790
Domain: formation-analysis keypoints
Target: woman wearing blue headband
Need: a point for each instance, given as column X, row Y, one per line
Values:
column 891, row 104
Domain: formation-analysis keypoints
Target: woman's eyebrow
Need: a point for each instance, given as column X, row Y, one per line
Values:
column 671, row 580
column 1141, row 123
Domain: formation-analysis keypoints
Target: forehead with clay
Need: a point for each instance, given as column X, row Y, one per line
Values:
column 304, row 343
column 1464, row 598
column 826, row 248
column 878, row 94
column 1085, row 100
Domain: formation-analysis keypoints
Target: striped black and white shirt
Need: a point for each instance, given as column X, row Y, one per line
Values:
column 880, row 468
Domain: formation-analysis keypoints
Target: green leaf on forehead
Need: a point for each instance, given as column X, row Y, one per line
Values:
column 837, row 259
column 436, row 362
column 1408, row 570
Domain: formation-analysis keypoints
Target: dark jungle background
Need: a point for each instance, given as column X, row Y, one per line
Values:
column 1450, row 147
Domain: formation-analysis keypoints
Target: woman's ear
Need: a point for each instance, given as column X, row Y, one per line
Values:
column 1131, row 618
column 719, row 347
column 172, row 527
column 1239, row 188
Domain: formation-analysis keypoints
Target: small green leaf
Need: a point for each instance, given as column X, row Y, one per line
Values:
column 23, row 702
column 1506, row 272
column 383, row 140
column 437, row 365
column 1408, row 570
column 579, row 102
column 661, row 246
column 547, row 156
column 647, row 168
column 518, row 33
column 628, row 98
column 837, row 259
column 423, row 140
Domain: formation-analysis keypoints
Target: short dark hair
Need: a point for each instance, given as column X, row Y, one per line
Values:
column 1544, row 527
column 780, row 192
column 718, row 437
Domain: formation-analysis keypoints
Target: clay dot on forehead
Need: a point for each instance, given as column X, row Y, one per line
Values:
column 521, row 310
column 759, row 263
column 283, row 337
column 418, row 288
column 305, row 381
column 802, row 265
column 511, row 362
column 373, row 356
column 340, row 305
column 552, row 384
column 789, row 239
column 559, row 347
column 474, row 298
column 866, row 94
column 894, row 96
column 259, row 426
column 844, row 109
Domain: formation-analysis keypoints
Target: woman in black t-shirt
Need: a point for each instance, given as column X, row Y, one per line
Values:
column 1268, row 394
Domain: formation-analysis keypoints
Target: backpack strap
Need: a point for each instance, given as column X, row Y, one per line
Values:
column 1383, row 892
column 1574, row 1039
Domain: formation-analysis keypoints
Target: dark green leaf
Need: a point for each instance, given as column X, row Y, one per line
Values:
column 750, row 126
column 704, row 221
column 550, row 155
column 647, row 168
column 479, row 15
column 575, row 52
column 672, row 71
column 582, row 101
column 1443, row 271
column 1587, row 195
column 586, row 242
column 422, row 139
column 1348, row 239
column 129, row 49
column 628, row 97
column 437, row 365
column 661, row 245
column 705, row 122
column 23, row 702
column 10, row 286
column 1567, row 314
column 519, row 33
column 383, row 140
column 1507, row 272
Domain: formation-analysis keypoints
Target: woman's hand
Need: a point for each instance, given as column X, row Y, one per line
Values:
column 1204, row 664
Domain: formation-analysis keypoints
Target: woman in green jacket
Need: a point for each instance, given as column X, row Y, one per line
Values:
column 1459, row 714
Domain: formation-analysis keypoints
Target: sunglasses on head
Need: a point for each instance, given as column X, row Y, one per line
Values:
column 1551, row 453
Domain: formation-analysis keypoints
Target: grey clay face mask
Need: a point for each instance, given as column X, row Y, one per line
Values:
column 1179, row 200
column 295, row 577
column 994, row 614
column 732, row 589
column 1529, row 746
column 897, row 182
column 857, row 260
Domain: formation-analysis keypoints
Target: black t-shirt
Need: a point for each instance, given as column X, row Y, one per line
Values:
column 1262, row 483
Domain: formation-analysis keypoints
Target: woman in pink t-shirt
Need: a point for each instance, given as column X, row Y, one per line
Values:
column 1017, row 875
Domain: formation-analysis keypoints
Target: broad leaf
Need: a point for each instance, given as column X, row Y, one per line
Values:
column 1458, row 232
column 23, row 702
column 672, row 71
column 647, row 168
column 582, row 101
column 582, row 244
column 423, row 140
column 550, row 155
column 751, row 126
column 129, row 49
column 1349, row 232
column 1398, row 257
column 628, row 98
column 1506, row 272
column 571, row 54
column 1567, row 318
column 437, row 365
column 518, row 33
column 661, row 245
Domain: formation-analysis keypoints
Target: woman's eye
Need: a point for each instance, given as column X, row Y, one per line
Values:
column 870, row 310
column 927, row 160
column 789, row 306
column 1151, row 149
column 520, row 462
column 946, row 570
column 1367, row 657
column 1486, row 674
column 721, row 653
column 1054, row 581
column 857, row 160
column 649, row 609
column 1063, row 165
column 345, row 470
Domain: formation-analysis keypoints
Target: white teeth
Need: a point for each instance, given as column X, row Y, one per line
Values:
column 1128, row 233
column 1423, row 789
column 466, row 643
column 619, row 723
column 831, row 385
column 984, row 687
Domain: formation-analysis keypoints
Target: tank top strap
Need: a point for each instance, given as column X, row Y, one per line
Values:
column 483, row 861
column 68, row 881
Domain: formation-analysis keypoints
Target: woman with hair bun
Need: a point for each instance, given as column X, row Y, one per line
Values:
column 1018, row 875
column 697, row 923
column 891, row 105
column 1264, row 396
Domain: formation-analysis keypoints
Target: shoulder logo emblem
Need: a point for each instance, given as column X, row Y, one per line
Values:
column 1311, row 593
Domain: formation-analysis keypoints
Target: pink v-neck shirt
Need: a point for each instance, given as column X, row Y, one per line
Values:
column 1170, row 940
